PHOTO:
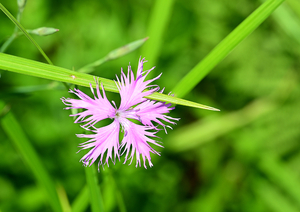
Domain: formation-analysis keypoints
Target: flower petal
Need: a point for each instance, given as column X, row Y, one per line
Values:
column 97, row 109
column 106, row 140
column 152, row 111
column 136, row 142
column 131, row 89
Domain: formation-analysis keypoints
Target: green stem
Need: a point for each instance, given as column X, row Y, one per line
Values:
column 14, row 35
column 8, row 42
column 119, row 196
column 17, row 23
column 114, row 54
column 94, row 188
column 90, row 67
column 81, row 202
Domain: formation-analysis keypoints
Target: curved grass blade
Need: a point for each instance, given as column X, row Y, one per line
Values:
column 51, row 72
column 225, row 47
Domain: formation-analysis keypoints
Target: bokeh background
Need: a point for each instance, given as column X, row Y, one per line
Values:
column 244, row 158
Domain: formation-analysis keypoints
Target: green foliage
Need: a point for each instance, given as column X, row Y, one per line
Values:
column 244, row 158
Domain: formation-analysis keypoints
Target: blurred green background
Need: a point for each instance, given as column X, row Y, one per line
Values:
column 244, row 158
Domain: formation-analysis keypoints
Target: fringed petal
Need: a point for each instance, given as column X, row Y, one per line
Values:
column 152, row 111
column 97, row 109
column 131, row 89
column 104, row 141
column 136, row 143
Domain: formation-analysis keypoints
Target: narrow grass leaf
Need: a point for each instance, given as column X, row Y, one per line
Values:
column 272, row 197
column 225, row 47
column 94, row 190
column 278, row 173
column 81, row 202
column 288, row 21
column 51, row 72
column 201, row 132
column 160, row 15
column 14, row 131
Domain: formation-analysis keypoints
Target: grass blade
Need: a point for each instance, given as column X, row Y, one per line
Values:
column 225, row 47
column 160, row 16
column 14, row 131
column 272, row 196
column 283, row 177
column 81, row 202
column 95, row 195
column 51, row 72
column 201, row 132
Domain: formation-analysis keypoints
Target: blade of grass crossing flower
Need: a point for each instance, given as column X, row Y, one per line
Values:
column 14, row 131
column 46, row 71
column 94, row 190
column 12, row 18
column 225, row 47
column 38, row 69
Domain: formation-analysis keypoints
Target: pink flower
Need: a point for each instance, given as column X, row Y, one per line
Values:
column 137, row 137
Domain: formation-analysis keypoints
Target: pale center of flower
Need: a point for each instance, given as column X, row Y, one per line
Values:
column 120, row 115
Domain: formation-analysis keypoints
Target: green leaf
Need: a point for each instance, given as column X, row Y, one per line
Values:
column 272, row 196
column 193, row 135
column 160, row 16
column 283, row 177
column 93, row 185
column 51, row 72
column 225, row 47
column 14, row 131
column 81, row 202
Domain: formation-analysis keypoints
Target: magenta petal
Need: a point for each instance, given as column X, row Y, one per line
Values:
column 152, row 111
column 131, row 89
column 106, row 140
column 136, row 142
column 97, row 109
column 104, row 143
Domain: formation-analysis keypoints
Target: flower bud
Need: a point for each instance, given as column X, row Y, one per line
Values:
column 126, row 49
column 43, row 31
column 21, row 4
